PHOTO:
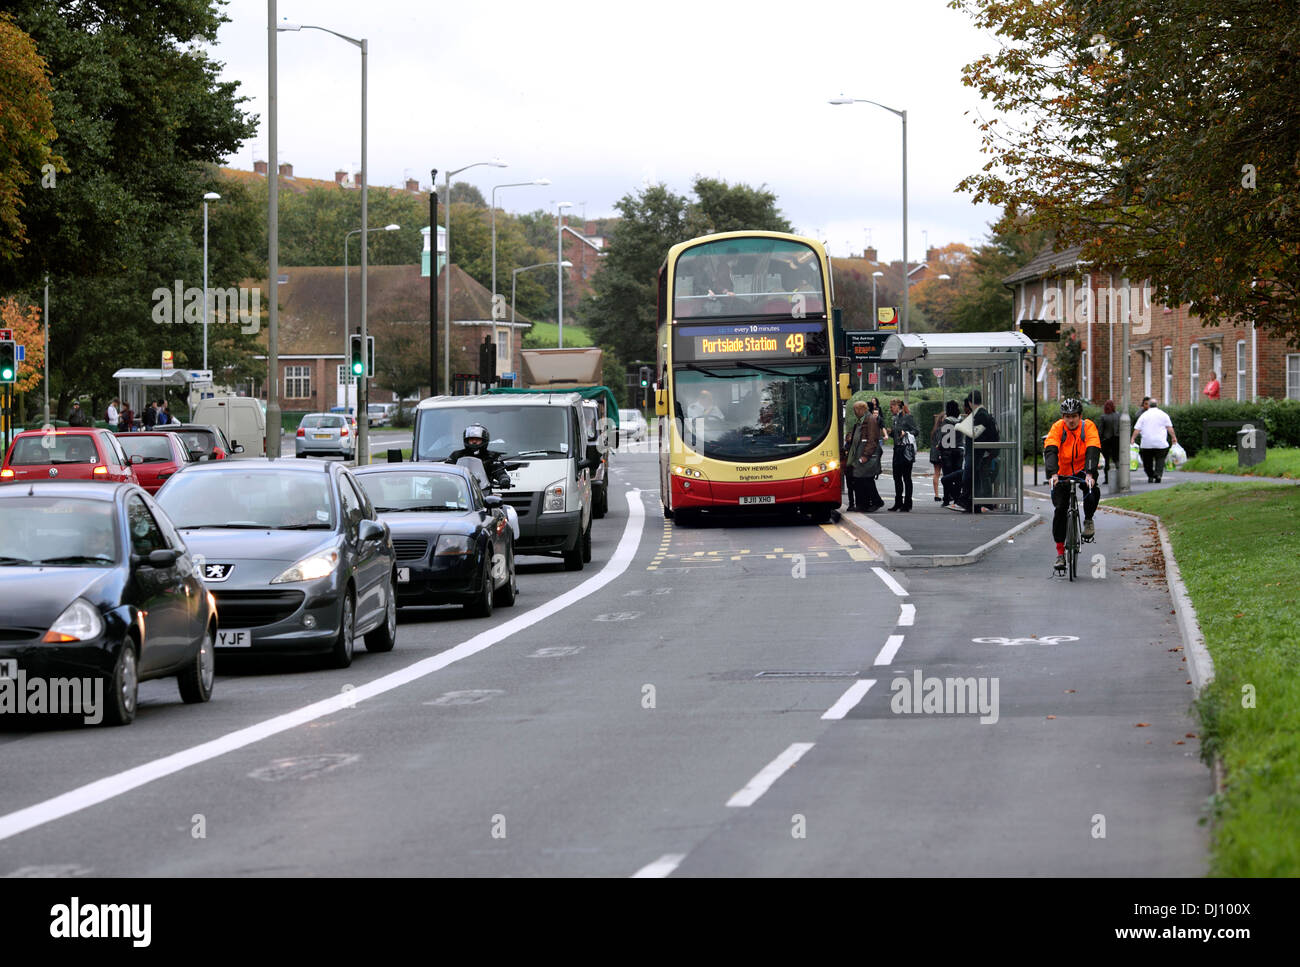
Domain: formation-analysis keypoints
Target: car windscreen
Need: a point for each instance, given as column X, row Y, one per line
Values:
column 57, row 532
column 153, row 449
column 286, row 500
column 54, row 448
column 516, row 431
column 403, row 490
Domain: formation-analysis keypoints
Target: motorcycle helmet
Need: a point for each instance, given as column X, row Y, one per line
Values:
column 476, row 431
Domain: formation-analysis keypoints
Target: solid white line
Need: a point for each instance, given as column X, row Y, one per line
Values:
column 890, row 583
column 771, row 772
column 112, row 786
column 660, row 867
column 849, row 700
column 907, row 616
column 891, row 648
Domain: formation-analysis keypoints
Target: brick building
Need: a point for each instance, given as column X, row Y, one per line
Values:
column 1171, row 354
column 585, row 250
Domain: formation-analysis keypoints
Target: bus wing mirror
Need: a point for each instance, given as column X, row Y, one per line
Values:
column 845, row 392
column 661, row 402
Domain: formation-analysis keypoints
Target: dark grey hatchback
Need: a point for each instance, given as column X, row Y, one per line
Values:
column 292, row 551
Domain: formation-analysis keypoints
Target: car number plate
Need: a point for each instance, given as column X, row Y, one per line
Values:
column 234, row 639
column 403, row 575
column 8, row 668
column 321, row 436
column 758, row 500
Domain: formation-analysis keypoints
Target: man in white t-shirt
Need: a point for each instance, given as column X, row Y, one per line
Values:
column 112, row 414
column 1157, row 433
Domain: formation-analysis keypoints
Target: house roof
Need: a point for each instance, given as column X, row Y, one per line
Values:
column 300, row 185
column 311, row 304
column 1046, row 263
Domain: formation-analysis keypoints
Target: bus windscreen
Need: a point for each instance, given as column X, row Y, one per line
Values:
column 748, row 277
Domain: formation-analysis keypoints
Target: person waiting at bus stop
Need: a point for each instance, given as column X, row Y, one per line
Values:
column 1072, row 446
column 864, row 460
column 903, row 423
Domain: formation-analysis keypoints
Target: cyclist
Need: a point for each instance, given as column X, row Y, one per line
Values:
column 476, row 441
column 1073, row 445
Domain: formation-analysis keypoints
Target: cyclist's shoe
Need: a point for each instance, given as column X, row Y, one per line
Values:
column 1060, row 562
column 1089, row 531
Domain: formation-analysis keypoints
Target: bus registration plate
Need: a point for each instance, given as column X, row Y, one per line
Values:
column 770, row 499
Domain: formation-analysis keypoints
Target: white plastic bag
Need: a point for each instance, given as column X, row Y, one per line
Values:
column 1177, row 457
column 1134, row 456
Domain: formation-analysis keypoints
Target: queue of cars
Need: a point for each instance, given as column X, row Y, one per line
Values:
column 126, row 557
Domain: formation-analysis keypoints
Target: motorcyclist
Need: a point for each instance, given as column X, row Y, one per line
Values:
column 476, row 441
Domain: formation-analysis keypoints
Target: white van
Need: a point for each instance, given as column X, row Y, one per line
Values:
column 241, row 418
column 543, row 444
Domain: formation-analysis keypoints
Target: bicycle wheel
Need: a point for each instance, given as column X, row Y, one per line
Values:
column 1072, row 539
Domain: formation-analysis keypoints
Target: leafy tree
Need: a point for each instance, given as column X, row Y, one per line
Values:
column 26, row 130
column 1069, row 352
column 142, row 118
column 402, row 361
column 981, row 303
column 25, row 321
column 461, row 192
column 1161, row 135
column 720, row 207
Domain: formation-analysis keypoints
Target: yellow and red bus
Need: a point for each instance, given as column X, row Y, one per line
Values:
column 746, row 390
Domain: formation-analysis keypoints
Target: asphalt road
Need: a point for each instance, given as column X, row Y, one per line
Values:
column 689, row 704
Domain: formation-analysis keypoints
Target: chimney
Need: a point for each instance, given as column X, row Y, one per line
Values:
column 260, row 167
column 340, row 177
column 869, row 253
column 589, row 229
column 286, row 170
column 412, row 184
column 932, row 255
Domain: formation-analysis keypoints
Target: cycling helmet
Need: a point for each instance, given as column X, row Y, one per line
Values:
column 476, row 431
column 1071, row 406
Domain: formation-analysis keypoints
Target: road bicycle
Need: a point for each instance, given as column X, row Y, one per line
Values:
column 1073, row 526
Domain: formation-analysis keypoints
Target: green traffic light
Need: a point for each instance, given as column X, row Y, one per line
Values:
column 6, row 374
column 357, row 369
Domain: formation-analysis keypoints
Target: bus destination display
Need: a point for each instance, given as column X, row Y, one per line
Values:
column 785, row 340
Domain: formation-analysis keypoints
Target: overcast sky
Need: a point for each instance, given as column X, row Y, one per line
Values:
column 605, row 97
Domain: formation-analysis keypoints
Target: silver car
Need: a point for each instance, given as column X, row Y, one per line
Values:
column 326, row 433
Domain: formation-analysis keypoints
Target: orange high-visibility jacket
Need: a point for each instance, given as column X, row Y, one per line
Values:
column 1069, row 452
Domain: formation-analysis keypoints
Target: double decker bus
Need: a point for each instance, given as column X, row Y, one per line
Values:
column 747, row 392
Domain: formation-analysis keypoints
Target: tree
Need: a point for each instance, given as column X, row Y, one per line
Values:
column 143, row 119
column 981, row 303
column 26, row 130
column 1068, row 354
column 402, row 361
column 462, row 192
column 720, row 207
column 25, row 321
column 1161, row 135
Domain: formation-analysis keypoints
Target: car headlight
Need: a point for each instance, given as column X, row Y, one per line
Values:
column 80, row 621
column 454, row 545
column 553, row 499
column 310, row 568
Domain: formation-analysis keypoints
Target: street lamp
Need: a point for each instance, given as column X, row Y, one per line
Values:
column 347, row 345
column 210, row 196
column 559, row 268
column 903, row 115
column 446, row 315
column 363, row 437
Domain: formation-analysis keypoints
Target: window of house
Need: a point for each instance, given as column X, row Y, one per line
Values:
column 1293, row 376
column 1146, row 374
column 1194, row 374
column 1241, row 369
column 1216, row 362
column 297, row 382
column 1168, row 398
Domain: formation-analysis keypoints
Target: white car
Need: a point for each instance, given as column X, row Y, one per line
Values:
column 632, row 426
column 378, row 414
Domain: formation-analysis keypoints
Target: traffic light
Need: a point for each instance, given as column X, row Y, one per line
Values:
column 487, row 361
column 645, row 376
column 8, row 361
column 357, row 367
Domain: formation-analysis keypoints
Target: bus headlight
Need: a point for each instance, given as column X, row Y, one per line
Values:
column 825, row 466
column 687, row 472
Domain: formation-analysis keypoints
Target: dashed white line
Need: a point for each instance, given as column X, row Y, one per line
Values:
column 762, row 782
column 659, row 868
column 907, row 615
column 849, row 699
column 890, row 583
column 110, row 787
column 891, row 648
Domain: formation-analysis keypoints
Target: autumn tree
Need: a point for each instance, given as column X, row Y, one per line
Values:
column 26, row 130
column 25, row 321
column 1161, row 135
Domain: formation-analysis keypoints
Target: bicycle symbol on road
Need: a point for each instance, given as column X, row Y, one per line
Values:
column 1044, row 640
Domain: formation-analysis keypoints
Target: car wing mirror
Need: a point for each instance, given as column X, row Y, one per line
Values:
column 370, row 530
column 163, row 557
column 493, row 501
column 136, row 458
column 236, row 448
column 394, row 454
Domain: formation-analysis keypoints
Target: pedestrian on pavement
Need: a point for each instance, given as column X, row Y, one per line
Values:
column 1109, row 437
column 1157, row 433
column 904, row 432
column 951, row 454
column 980, row 474
column 78, row 416
column 1212, row 387
column 936, row 453
column 1072, row 447
column 126, row 419
column 150, row 415
column 112, row 415
column 1146, row 401
column 864, row 459
column 164, row 413
column 846, row 442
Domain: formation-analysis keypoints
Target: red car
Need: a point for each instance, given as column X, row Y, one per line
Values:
column 72, row 454
column 155, row 457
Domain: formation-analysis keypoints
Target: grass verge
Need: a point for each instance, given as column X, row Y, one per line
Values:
column 546, row 335
column 1238, row 548
column 1279, row 462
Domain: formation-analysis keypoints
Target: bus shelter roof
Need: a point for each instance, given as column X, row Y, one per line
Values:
column 954, row 349
column 156, row 377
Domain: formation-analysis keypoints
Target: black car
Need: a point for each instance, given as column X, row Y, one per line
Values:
column 97, row 586
column 453, row 544
column 294, row 553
